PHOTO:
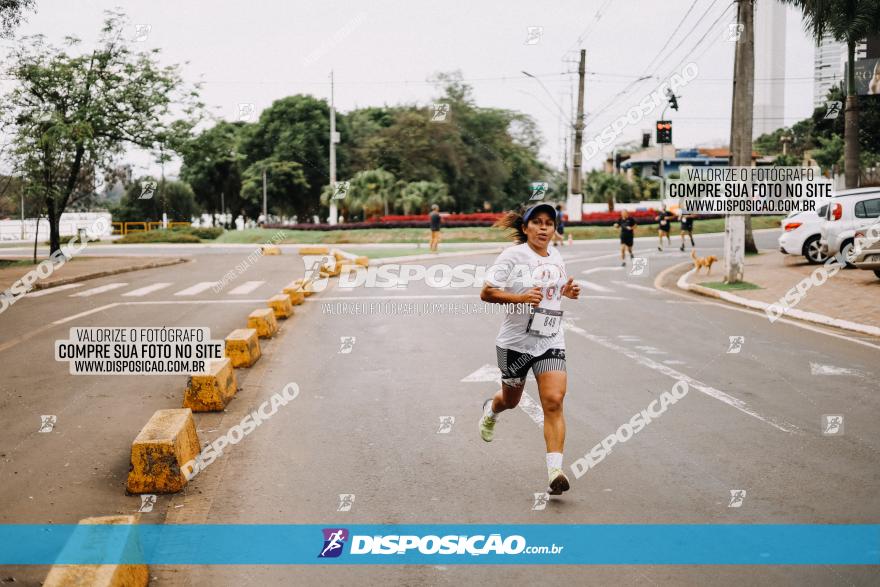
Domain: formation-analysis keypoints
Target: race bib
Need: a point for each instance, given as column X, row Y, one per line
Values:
column 544, row 322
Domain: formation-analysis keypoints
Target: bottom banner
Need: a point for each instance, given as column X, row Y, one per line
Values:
column 619, row 544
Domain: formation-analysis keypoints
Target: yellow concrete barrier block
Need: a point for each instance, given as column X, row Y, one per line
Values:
column 330, row 271
column 306, row 287
column 363, row 261
column 295, row 293
column 243, row 347
column 270, row 249
column 211, row 391
column 163, row 446
column 263, row 321
column 281, row 305
column 315, row 250
column 103, row 575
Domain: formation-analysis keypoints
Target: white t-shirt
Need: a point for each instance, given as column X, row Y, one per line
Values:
column 517, row 270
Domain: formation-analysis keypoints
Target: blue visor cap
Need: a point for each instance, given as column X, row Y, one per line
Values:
column 539, row 208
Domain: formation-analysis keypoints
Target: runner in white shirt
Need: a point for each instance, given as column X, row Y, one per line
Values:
column 532, row 279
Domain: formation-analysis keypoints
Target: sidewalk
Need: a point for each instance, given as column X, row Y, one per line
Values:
column 848, row 299
column 83, row 268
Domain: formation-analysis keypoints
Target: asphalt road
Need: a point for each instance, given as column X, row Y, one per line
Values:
column 366, row 422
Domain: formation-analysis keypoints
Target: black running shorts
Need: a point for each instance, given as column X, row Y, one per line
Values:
column 515, row 365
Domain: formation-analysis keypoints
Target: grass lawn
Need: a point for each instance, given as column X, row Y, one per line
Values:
column 455, row 235
column 741, row 286
column 17, row 262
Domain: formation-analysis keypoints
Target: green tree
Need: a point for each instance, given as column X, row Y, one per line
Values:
column 175, row 198
column 600, row 186
column 286, row 187
column 73, row 114
column 296, row 129
column 849, row 21
column 371, row 193
column 418, row 196
column 830, row 153
column 212, row 166
column 12, row 14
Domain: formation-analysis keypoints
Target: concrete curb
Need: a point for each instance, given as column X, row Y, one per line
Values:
column 88, row 276
column 683, row 284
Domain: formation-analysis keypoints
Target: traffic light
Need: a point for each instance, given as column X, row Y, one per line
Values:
column 664, row 132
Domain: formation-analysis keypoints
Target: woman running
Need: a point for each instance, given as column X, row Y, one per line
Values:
column 627, row 228
column 532, row 276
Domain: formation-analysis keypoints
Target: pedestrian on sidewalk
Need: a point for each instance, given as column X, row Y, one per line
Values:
column 627, row 228
column 687, row 228
column 530, row 279
column 435, row 227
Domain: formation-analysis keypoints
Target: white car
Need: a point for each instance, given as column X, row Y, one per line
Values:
column 849, row 211
column 801, row 234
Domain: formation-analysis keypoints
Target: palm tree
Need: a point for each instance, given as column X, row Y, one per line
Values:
column 849, row 21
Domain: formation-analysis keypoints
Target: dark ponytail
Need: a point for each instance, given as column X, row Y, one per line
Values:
column 512, row 222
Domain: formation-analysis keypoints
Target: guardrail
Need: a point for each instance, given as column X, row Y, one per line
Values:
column 123, row 228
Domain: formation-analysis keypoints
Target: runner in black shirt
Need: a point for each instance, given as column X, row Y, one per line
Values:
column 687, row 227
column 627, row 228
column 664, row 219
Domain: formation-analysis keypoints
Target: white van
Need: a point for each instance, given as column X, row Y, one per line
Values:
column 849, row 211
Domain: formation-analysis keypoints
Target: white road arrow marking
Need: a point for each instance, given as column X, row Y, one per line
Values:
column 820, row 369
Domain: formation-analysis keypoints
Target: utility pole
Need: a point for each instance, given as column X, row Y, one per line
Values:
column 265, row 200
column 740, row 134
column 575, row 203
column 333, row 140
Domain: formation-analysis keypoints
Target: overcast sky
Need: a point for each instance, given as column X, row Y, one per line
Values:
column 384, row 51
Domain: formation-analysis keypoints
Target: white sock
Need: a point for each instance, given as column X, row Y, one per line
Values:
column 489, row 411
column 554, row 460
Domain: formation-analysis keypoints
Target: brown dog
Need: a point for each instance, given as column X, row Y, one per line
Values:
column 706, row 262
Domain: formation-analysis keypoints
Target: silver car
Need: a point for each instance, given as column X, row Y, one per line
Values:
column 849, row 211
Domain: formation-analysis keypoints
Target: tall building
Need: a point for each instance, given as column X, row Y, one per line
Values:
column 829, row 65
column 769, row 109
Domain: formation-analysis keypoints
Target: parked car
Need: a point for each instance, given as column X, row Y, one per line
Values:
column 849, row 211
column 866, row 252
column 801, row 234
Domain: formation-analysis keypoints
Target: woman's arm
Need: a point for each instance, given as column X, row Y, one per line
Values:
column 495, row 295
